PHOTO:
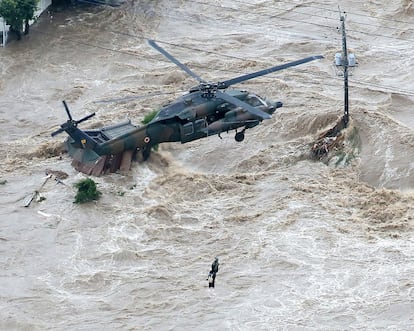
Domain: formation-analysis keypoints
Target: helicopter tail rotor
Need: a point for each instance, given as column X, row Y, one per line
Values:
column 67, row 109
column 70, row 124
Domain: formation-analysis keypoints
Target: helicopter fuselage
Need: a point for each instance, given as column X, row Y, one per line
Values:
column 188, row 118
column 198, row 116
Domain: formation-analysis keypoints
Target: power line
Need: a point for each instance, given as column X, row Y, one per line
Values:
column 311, row 23
column 382, row 88
column 363, row 15
column 143, row 37
column 335, row 11
column 247, row 11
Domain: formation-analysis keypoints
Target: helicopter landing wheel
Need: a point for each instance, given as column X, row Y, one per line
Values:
column 239, row 136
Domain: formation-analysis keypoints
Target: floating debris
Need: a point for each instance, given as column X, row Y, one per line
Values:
column 57, row 173
column 36, row 194
column 324, row 145
column 329, row 140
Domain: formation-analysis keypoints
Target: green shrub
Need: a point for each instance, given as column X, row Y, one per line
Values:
column 149, row 117
column 87, row 191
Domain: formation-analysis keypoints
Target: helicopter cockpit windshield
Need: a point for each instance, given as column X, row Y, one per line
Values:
column 254, row 100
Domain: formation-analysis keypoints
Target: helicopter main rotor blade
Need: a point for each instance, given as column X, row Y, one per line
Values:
column 237, row 102
column 227, row 83
column 154, row 45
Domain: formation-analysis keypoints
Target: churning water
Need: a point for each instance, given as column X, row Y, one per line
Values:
column 303, row 244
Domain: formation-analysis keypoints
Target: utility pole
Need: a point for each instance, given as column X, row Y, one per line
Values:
column 345, row 64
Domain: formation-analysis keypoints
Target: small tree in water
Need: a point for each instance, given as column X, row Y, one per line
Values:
column 17, row 13
column 87, row 191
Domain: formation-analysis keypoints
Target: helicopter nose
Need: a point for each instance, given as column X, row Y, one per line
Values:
column 278, row 104
column 275, row 105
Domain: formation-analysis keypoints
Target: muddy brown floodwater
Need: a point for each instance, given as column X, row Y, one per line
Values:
column 303, row 244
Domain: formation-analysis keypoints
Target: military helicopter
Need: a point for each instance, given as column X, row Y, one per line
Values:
column 209, row 108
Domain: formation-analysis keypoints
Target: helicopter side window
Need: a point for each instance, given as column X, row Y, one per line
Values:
column 200, row 124
column 188, row 129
